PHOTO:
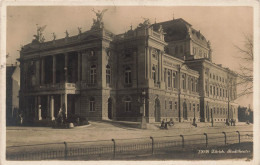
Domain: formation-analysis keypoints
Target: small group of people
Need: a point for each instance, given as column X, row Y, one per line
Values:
column 231, row 122
column 61, row 116
column 164, row 125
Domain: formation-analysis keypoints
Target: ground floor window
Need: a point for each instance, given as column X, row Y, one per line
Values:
column 128, row 105
column 92, row 104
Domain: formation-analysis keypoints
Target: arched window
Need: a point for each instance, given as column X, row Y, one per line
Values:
column 92, row 104
column 174, row 80
column 128, row 106
column 169, row 79
column 108, row 74
column 196, row 86
column 154, row 74
column 192, row 84
column 128, row 76
column 183, row 81
column 93, row 74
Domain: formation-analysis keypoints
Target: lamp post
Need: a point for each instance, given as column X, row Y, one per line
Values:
column 194, row 119
column 143, row 119
column 212, row 122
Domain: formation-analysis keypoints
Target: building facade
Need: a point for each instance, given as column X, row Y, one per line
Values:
column 12, row 93
column 160, row 71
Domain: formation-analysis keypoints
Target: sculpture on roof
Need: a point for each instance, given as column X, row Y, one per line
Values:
column 145, row 23
column 67, row 33
column 54, row 36
column 98, row 22
column 39, row 36
column 79, row 29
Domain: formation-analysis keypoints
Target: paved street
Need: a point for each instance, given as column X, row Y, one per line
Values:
column 106, row 131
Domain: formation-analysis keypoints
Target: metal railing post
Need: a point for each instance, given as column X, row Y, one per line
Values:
column 206, row 139
column 182, row 138
column 152, row 144
column 238, row 136
column 66, row 151
column 114, row 155
column 225, row 136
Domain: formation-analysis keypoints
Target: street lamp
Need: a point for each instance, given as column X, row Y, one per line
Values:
column 212, row 118
column 194, row 119
column 143, row 119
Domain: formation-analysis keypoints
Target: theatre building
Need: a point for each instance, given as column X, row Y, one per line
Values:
column 160, row 71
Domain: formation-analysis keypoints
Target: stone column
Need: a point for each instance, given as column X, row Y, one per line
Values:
column 65, row 104
column 149, row 63
column 54, row 69
column 39, row 108
column 146, row 62
column 48, row 106
column 79, row 66
column 52, row 108
column 42, row 71
column 36, row 107
column 66, row 67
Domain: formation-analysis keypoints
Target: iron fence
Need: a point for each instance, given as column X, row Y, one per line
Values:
column 115, row 148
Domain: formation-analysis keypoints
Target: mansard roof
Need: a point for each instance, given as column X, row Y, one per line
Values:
column 179, row 29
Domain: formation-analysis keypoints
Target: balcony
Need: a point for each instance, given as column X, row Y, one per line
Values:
column 85, row 85
column 54, row 87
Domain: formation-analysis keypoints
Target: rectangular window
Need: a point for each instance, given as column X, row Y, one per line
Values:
column 170, row 103
column 175, row 105
column 92, row 106
column 198, row 107
column 211, row 90
column 214, row 91
column 217, row 91
column 127, row 106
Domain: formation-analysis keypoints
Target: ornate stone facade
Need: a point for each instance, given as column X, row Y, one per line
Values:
column 99, row 75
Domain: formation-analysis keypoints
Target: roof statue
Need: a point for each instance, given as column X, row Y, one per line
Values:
column 79, row 29
column 67, row 33
column 54, row 36
column 98, row 22
column 39, row 36
column 145, row 23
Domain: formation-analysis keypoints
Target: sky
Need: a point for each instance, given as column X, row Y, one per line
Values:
column 225, row 27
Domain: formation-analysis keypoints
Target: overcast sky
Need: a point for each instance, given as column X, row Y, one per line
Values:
column 223, row 26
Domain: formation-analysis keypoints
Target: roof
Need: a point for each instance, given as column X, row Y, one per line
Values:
column 179, row 29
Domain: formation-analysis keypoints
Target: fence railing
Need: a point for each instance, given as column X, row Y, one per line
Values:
column 110, row 149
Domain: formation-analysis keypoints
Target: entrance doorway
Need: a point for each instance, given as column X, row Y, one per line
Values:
column 109, row 108
column 157, row 113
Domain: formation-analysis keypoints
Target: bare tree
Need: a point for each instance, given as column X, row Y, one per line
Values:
column 246, row 56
